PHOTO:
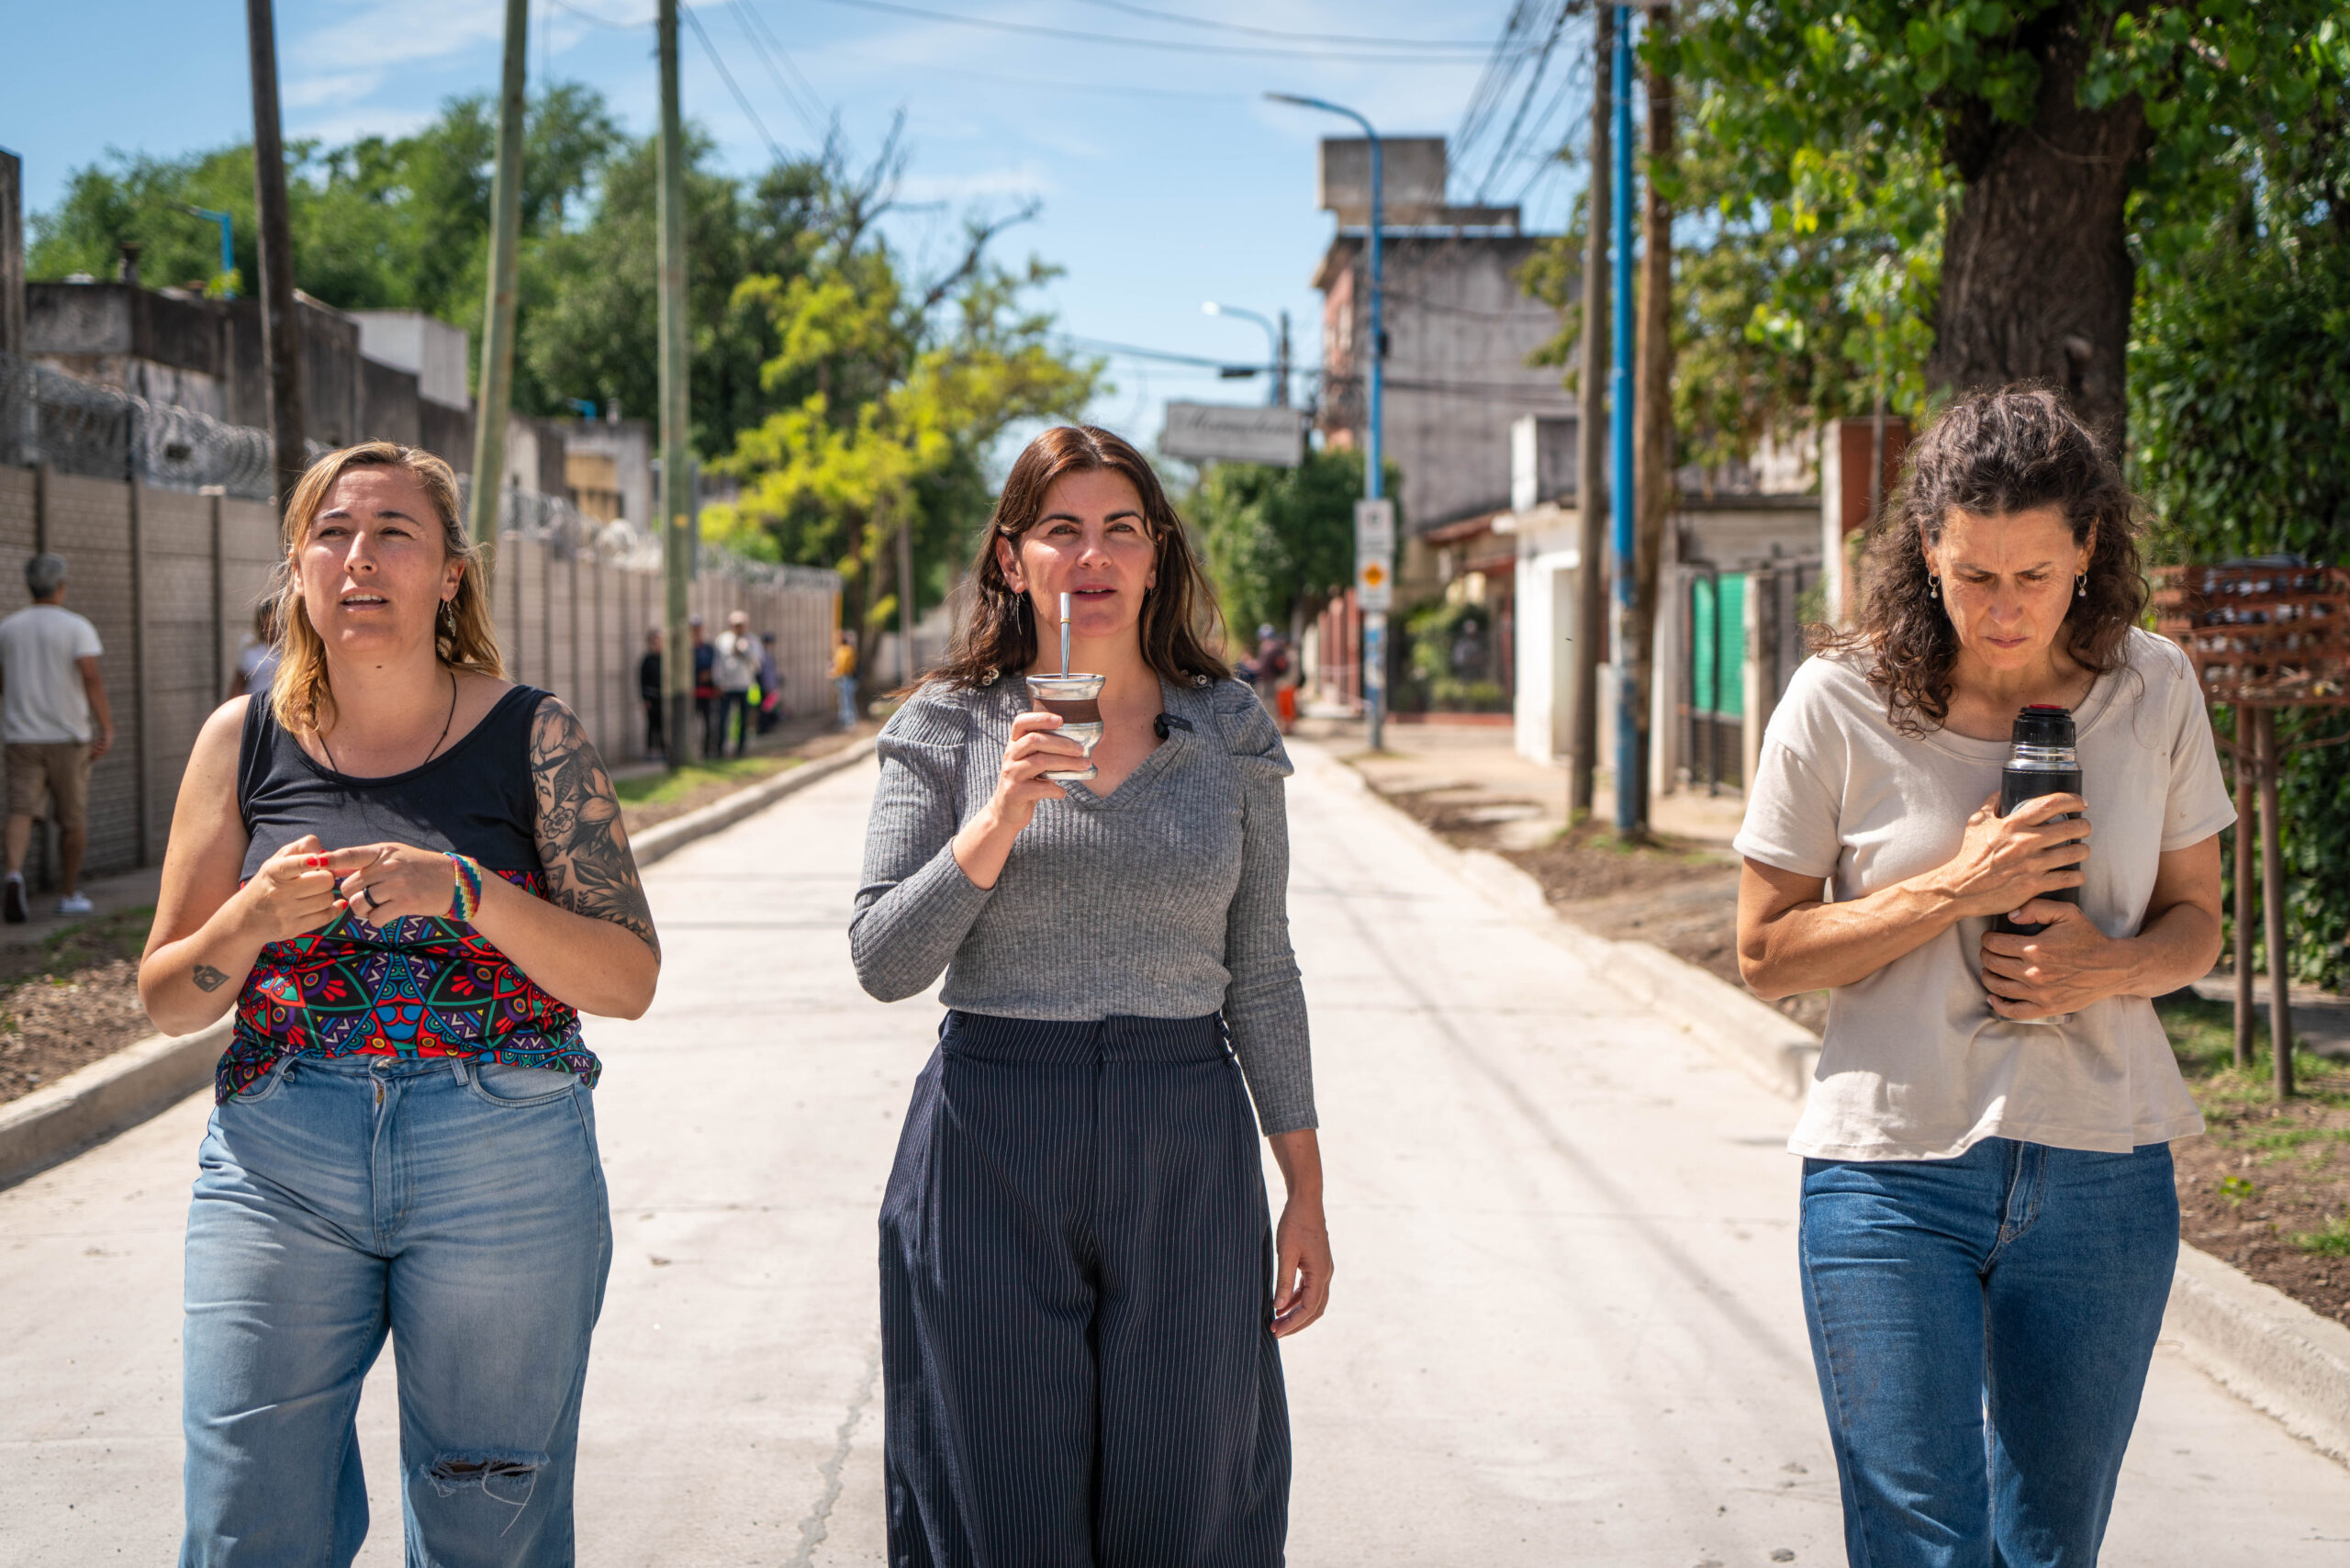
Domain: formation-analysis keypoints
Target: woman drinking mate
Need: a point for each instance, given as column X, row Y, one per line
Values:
column 1081, row 1293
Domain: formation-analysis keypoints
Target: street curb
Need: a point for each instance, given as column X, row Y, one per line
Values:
column 117, row 1092
column 668, row 837
column 2264, row 1348
column 2253, row 1339
column 111, row 1095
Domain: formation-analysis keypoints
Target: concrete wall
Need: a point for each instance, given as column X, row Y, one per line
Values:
column 170, row 579
column 1459, row 332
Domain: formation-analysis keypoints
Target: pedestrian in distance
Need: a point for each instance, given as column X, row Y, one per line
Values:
column 54, row 722
column 257, row 660
column 705, row 687
column 771, row 709
column 652, row 694
column 407, row 876
column 1988, row 1224
column 845, row 676
column 1080, row 1332
column 737, row 670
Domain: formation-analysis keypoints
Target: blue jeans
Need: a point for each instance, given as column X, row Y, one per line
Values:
column 846, row 686
column 461, row 1209
column 1982, row 1327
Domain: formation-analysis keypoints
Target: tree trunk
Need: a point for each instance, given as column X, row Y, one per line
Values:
column 2037, row 278
column 1653, row 416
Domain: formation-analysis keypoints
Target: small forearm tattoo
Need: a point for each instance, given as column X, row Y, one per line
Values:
column 582, row 843
column 207, row 977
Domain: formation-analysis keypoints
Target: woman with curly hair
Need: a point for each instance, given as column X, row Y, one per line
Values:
column 1081, row 1293
column 1988, row 1223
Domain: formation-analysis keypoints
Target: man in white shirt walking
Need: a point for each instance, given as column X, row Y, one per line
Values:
column 49, row 694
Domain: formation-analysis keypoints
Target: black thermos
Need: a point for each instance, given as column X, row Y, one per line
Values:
column 2042, row 760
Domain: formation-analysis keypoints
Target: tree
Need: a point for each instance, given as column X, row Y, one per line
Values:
column 1280, row 543
column 2070, row 135
column 892, row 395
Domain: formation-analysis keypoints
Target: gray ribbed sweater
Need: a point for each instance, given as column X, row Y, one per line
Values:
column 1167, row 899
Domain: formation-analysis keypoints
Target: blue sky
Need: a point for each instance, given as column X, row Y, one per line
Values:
column 1165, row 176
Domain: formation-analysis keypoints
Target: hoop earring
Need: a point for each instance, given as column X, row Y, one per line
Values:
column 2081, row 585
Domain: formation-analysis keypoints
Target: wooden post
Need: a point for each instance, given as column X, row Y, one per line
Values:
column 142, row 685
column 497, row 388
column 2247, row 839
column 281, row 327
column 1590, row 437
column 2272, row 896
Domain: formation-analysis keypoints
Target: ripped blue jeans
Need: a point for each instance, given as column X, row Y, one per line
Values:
column 459, row 1209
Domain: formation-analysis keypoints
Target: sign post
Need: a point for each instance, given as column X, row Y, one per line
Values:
column 1374, row 596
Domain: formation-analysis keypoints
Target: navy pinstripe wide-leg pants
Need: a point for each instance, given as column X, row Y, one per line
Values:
column 1076, row 1301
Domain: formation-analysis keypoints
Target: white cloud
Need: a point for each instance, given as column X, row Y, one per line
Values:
column 1029, row 179
column 398, row 32
column 308, row 92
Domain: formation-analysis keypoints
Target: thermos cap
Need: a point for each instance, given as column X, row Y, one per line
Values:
column 2044, row 724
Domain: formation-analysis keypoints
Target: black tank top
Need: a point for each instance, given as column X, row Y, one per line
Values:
column 418, row 987
column 476, row 797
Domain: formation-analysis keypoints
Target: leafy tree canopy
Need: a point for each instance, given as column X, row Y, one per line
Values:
column 1278, row 539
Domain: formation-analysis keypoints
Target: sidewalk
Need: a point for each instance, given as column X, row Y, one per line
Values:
column 1477, row 770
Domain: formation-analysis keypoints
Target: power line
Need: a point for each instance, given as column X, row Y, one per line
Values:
column 728, row 76
column 784, row 54
column 599, row 21
column 743, row 19
column 1181, row 20
column 1533, row 85
column 1035, row 30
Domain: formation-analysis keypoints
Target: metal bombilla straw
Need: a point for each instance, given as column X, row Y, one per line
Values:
column 1064, row 633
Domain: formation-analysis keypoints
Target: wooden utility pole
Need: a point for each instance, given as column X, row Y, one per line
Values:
column 281, row 330
column 676, row 463
column 1591, row 461
column 496, row 393
column 1652, row 459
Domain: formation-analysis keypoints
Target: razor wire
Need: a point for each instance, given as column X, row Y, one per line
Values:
column 81, row 427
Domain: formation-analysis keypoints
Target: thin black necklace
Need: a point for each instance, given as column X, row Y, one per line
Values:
column 428, row 756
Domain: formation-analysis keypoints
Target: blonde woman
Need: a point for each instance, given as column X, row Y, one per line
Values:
column 407, row 875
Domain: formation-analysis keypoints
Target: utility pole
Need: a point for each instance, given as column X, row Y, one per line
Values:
column 1630, row 790
column 281, row 330
column 497, row 393
column 1591, row 435
column 1652, row 476
column 677, row 464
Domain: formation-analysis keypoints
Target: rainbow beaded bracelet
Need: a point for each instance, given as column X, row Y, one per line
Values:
column 468, row 874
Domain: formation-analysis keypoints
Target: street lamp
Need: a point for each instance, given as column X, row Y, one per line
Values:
column 1374, row 622
column 228, row 250
column 1276, row 336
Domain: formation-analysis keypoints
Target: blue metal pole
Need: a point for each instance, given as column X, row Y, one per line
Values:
column 1629, row 784
column 227, row 249
column 1374, row 622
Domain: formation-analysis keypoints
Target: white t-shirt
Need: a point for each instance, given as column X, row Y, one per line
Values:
column 738, row 660
column 1914, row 1064
column 45, row 704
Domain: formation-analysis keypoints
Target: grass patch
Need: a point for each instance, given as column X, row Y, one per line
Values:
column 2332, row 1242
column 82, row 946
column 667, row 789
column 2202, row 1035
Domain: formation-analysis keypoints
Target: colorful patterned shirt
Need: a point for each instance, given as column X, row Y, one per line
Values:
column 417, row 987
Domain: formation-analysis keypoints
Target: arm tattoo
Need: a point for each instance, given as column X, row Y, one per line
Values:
column 581, row 841
column 207, row 977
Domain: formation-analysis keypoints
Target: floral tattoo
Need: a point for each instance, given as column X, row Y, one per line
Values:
column 581, row 840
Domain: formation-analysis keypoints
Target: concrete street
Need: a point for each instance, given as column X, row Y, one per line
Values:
column 1566, row 1327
